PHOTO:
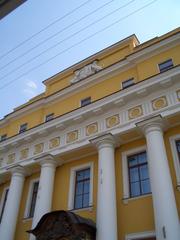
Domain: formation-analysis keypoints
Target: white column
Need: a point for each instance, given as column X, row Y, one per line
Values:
column 106, row 199
column 164, row 203
column 9, row 220
column 45, row 190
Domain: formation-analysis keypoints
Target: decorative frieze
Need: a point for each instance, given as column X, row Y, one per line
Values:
column 54, row 142
column 91, row 129
column 72, row 136
column 159, row 103
column 24, row 153
column 11, row 158
column 135, row 112
column 112, row 121
column 38, row 148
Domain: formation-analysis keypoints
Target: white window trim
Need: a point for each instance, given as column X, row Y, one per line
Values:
column 125, row 155
column 140, row 235
column 29, row 198
column 72, row 185
column 173, row 140
column 2, row 198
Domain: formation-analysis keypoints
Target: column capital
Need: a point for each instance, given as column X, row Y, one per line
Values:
column 106, row 140
column 17, row 170
column 46, row 160
column 151, row 124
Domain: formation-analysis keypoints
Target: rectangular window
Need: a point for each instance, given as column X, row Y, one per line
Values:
column 178, row 148
column 127, row 83
column 4, row 203
column 49, row 117
column 3, row 137
column 139, row 183
column 33, row 199
column 82, row 189
column 165, row 65
column 23, row 127
column 85, row 101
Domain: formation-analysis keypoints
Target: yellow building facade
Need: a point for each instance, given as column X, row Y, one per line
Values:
column 102, row 141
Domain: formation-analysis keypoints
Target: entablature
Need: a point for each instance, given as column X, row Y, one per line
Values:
column 116, row 114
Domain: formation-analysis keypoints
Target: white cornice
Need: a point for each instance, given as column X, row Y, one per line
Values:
column 102, row 75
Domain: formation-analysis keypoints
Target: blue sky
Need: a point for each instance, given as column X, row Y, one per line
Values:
column 103, row 22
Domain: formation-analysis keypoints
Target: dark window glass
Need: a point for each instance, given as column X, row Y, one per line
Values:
column 82, row 188
column 165, row 65
column 4, row 203
column 85, row 101
column 128, row 83
column 178, row 148
column 138, row 175
column 23, row 128
column 3, row 137
column 49, row 117
column 33, row 199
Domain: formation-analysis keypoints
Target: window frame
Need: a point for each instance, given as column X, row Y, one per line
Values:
column 140, row 235
column 21, row 131
column 29, row 198
column 138, row 165
column 125, row 172
column 50, row 114
column 2, row 201
column 176, row 159
column 161, row 71
column 85, row 99
column 127, row 81
column 3, row 137
column 72, row 183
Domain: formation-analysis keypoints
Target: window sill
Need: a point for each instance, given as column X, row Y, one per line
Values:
column 126, row 200
column 90, row 209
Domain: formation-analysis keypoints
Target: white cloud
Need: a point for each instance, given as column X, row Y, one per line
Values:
column 31, row 84
column 31, row 89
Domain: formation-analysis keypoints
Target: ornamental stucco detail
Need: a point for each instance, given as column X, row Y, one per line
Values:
column 112, row 121
column 38, row 148
column 159, row 103
column 135, row 112
column 91, row 129
column 86, row 71
column 54, row 142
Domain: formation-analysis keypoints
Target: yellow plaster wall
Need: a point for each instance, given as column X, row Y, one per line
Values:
column 149, row 67
column 141, row 71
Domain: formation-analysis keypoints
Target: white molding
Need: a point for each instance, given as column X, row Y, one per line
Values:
column 176, row 159
column 140, row 235
column 72, row 184
column 125, row 154
column 29, row 197
column 2, row 198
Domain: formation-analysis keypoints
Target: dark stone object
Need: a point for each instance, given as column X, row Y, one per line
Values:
column 64, row 225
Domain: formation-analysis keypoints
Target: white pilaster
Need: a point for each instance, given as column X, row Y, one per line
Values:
column 9, row 220
column 106, row 202
column 165, row 210
column 45, row 190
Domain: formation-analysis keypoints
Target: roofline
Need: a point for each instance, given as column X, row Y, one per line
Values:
column 91, row 57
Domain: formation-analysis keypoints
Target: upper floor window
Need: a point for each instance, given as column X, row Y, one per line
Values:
column 31, row 201
column 49, row 117
column 139, row 183
column 23, row 127
column 127, row 83
column 165, row 65
column 85, row 101
column 82, row 189
column 3, row 202
column 3, row 137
